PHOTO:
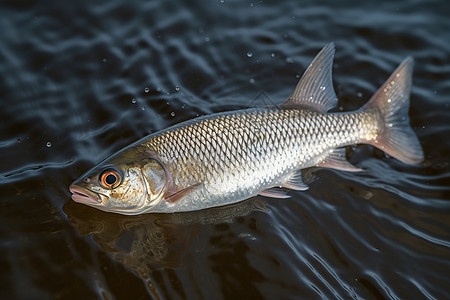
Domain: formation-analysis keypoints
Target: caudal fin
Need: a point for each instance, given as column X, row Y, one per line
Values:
column 396, row 137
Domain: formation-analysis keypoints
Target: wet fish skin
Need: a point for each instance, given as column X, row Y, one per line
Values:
column 228, row 157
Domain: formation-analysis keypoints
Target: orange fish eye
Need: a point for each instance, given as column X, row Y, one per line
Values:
column 110, row 178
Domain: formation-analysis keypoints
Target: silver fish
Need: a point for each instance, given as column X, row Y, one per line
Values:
column 227, row 157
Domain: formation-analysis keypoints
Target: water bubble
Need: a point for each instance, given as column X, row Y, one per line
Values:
column 249, row 54
column 177, row 88
column 322, row 88
column 143, row 107
column 272, row 55
column 359, row 94
column 172, row 114
column 252, row 81
column 389, row 100
column 104, row 60
column 133, row 100
column 147, row 90
column 222, row 1
column 49, row 144
column 207, row 39
column 251, row 4
column 289, row 60
column 297, row 76
column 158, row 90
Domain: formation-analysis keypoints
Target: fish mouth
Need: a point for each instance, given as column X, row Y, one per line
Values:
column 85, row 196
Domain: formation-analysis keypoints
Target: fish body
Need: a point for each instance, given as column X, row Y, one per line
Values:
column 227, row 157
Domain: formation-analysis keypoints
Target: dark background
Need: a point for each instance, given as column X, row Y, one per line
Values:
column 73, row 91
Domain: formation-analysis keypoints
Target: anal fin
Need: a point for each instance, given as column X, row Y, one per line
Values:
column 273, row 193
column 336, row 160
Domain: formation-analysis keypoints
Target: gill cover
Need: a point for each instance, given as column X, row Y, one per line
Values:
column 155, row 178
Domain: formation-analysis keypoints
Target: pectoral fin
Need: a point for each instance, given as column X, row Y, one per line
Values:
column 178, row 196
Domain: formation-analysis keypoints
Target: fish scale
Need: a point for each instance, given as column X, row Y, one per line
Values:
column 263, row 155
column 228, row 157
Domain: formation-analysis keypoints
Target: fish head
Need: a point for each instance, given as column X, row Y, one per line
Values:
column 126, row 188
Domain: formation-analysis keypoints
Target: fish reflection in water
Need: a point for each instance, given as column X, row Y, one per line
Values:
column 151, row 241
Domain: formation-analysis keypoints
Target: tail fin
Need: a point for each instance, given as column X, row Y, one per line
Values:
column 396, row 137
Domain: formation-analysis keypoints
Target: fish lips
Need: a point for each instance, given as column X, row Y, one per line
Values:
column 85, row 196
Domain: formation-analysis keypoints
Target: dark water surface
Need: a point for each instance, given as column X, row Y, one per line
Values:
column 82, row 79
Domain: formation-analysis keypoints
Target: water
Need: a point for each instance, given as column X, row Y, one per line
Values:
column 81, row 80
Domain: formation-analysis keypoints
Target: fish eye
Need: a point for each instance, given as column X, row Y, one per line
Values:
column 110, row 178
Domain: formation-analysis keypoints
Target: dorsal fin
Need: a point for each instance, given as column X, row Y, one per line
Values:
column 315, row 89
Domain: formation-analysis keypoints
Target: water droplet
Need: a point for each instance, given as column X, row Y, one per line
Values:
column 172, row 114
column 207, row 39
column 367, row 195
column 359, row 94
column 389, row 100
column 249, row 54
column 251, row 4
column 49, row 144
column 133, row 100
column 143, row 108
column 289, row 60
column 158, row 90
column 322, row 88
column 297, row 76
column 252, row 81
column 272, row 54
column 222, row 1
column 177, row 88
column 147, row 90
column 104, row 60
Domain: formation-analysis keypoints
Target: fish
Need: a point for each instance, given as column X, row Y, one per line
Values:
column 227, row 157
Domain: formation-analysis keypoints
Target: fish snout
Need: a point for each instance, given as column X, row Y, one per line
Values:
column 85, row 196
